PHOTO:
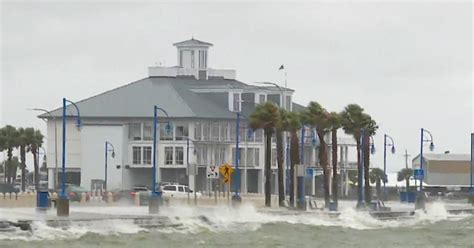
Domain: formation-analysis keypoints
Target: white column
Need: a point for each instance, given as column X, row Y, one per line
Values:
column 51, row 178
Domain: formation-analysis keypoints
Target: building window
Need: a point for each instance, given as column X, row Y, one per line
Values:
column 251, row 157
column 215, row 131
column 236, row 107
column 262, row 98
column 259, row 135
column 135, row 131
column 147, row 131
column 192, row 58
column 250, row 135
column 197, row 131
column 274, row 157
column 181, row 132
column 164, row 135
column 223, row 131
column 232, row 133
column 179, row 155
column 147, row 155
column 205, row 131
column 168, row 155
column 201, row 155
column 180, row 58
column 202, row 59
column 136, row 154
column 288, row 102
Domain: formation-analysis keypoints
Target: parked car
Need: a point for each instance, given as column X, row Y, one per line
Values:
column 178, row 191
column 74, row 192
column 8, row 188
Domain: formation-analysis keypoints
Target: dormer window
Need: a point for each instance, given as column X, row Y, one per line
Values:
column 181, row 58
column 192, row 58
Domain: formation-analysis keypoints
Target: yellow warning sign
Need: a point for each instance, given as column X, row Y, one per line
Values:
column 226, row 170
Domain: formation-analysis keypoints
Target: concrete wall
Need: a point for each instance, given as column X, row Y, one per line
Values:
column 93, row 155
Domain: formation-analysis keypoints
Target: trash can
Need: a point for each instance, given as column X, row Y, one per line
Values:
column 42, row 200
column 411, row 197
column 403, row 196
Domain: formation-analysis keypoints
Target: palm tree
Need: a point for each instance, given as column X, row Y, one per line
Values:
column 354, row 120
column 291, row 123
column 318, row 117
column 334, row 125
column 280, row 128
column 25, row 138
column 377, row 176
column 370, row 128
column 266, row 117
column 36, row 142
column 405, row 174
column 10, row 141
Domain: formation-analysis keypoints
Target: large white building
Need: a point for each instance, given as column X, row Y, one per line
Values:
column 202, row 104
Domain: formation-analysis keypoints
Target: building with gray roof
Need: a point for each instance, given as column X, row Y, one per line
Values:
column 202, row 104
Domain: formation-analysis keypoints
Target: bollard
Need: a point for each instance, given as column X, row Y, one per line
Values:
column 110, row 198
column 83, row 198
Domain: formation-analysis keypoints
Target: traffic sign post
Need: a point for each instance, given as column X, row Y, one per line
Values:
column 419, row 174
column 212, row 172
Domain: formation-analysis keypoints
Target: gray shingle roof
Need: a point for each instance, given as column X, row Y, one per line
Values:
column 172, row 94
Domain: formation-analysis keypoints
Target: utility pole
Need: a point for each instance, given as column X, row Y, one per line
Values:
column 406, row 158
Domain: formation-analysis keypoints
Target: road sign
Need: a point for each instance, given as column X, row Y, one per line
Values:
column 212, row 172
column 300, row 170
column 418, row 174
column 226, row 170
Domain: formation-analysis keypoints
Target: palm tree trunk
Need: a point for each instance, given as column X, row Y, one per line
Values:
column 281, row 188
column 34, row 151
column 23, row 167
column 334, row 166
column 323, row 159
column 8, row 165
column 368, row 192
column 295, row 159
column 268, row 169
column 378, row 188
column 407, row 181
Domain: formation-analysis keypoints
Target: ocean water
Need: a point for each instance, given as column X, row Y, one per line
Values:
column 249, row 227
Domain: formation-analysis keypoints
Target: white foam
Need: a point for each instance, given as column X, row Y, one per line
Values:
column 220, row 219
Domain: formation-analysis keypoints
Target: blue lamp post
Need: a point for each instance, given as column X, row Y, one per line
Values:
column 156, row 195
column 63, row 201
column 472, row 168
column 108, row 148
column 392, row 144
column 420, row 200
column 300, row 178
column 236, row 198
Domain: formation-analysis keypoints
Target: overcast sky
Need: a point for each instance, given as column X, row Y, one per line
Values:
column 408, row 64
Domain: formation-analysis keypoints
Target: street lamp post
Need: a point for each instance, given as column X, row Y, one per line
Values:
column 236, row 197
column 155, row 198
column 106, row 151
column 56, row 177
column 63, row 201
column 420, row 200
column 392, row 144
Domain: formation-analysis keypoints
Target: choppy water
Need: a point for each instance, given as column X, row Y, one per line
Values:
column 248, row 227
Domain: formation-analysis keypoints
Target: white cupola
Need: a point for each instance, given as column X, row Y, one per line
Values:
column 193, row 54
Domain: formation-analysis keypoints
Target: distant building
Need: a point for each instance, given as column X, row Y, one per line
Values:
column 202, row 103
column 445, row 170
